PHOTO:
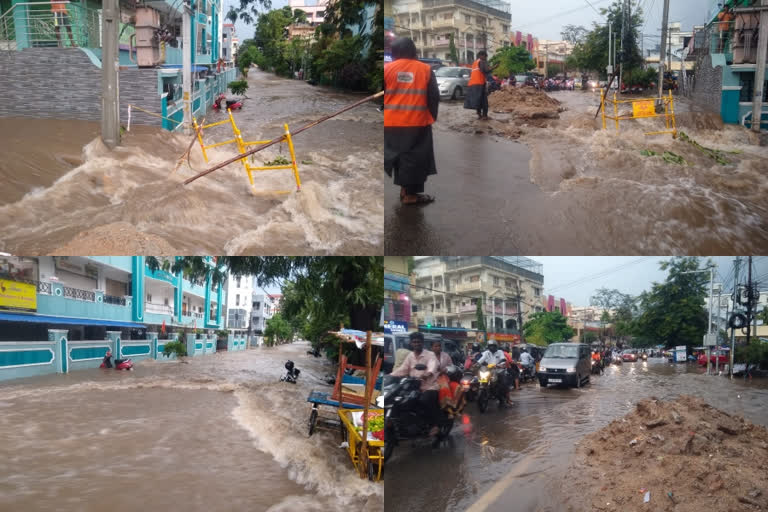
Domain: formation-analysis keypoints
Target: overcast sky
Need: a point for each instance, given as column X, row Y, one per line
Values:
column 545, row 21
column 630, row 274
column 243, row 30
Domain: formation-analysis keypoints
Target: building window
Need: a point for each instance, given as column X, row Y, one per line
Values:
column 319, row 14
column 537, row 292
column 505, row 28
column 447, row 16
column 473, row 301
column 256, row 305
column 468, row 20
column 474, row 279
column 149, row 297
column 474, row 324
column 496, row 281
column 508, row 283
column 237, row 299
column 238, row 282
column 481, row 21
column 165, row 301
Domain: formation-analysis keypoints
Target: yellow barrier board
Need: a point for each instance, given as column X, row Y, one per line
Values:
column 643, row 108
column 242, row 147
column 17, row 295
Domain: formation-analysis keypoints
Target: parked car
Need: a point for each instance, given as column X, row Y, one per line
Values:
column 452, row 81
column 565, row 363
column 393, row 342
column 629, row 356
column 720, row 355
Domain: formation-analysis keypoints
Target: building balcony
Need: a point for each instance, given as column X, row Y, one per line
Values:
column 469, row 287
column 441, row 24
column 55, row 299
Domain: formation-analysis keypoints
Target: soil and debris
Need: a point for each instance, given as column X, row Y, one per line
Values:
column 681, row 455
column 525, row 103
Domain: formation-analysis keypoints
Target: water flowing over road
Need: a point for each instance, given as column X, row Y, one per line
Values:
column 511, row 459
column 566, row 186
column 64, row 199
column 220, row 433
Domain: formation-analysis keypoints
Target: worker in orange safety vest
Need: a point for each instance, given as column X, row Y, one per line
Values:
column 411, row 99
column 477, row 94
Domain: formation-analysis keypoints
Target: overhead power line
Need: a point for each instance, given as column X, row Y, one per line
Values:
column 599, row 274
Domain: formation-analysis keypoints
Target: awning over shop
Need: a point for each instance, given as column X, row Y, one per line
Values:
column 45, row 319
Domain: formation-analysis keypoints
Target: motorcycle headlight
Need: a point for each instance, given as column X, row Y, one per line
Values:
column 485, row 375
column 542, row 368
column 571, row 370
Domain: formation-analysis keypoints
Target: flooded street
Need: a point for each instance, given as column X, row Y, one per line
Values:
column 513, row 459
column 566, row 186
column 218, row 434
column 66, row 201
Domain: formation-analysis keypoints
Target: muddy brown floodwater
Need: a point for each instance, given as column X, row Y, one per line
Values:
column 218, row 434
column 513, row 459
column 64, row 200
column 565, row 186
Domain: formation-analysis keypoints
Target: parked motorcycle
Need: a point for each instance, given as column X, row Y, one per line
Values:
column 490, row 386
column 404, row 416
column 314, row 352
column 230, row 104
column 292, row 373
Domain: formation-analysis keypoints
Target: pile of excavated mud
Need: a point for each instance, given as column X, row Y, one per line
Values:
column 525, row 103
column 682, row 455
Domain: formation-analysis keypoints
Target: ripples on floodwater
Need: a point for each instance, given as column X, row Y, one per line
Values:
column 218, row 434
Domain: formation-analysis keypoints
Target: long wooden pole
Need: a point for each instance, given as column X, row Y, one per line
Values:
column 602, row 99
column 364, row 451
column 281, row 138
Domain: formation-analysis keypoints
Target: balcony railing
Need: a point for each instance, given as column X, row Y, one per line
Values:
column 77, row 294
column 35, row 24
column 113, row 299
column 44, row 288
column 161, row 309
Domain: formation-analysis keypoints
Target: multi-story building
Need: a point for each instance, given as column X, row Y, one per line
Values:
column 229, row 42
column 397, row 303
column 474, row 25
column 272, row 305
column 239, row 294
column 83, row 306
column 726, row 56
column 676, row 41
column 258, row 324
column 446, row 290
column 550, row 56
column 149, row 55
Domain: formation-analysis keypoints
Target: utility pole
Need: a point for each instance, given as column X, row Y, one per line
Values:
column 669, row 51
column 736, row 264
column 709, row 326
column 623, row 37
column 749, row 296
column 762, row 43
column 110, row 95
column 662, row 47
column 610, row 46
column 186, row 59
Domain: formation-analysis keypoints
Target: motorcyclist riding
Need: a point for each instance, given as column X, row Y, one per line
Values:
column 496, row 356
column 107, row 362
column 429, row 385
column 472, row 356
column 527, row 360
column 451, row 393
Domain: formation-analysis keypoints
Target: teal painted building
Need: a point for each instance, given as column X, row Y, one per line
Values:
column 725, row 55
column 59, row 314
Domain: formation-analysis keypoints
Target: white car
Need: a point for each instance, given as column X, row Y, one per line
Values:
column 452, row 81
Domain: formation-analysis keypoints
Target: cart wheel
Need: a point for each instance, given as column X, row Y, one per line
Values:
column 371, row 471
column 312, row 421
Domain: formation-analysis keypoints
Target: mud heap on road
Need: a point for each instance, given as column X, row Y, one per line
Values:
column 525, row 103
column 681, row 455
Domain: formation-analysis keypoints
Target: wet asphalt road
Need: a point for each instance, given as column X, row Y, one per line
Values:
column 511, row 460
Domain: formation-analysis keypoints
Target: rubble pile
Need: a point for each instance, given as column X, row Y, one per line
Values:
column 525, row 103
column 682, row 455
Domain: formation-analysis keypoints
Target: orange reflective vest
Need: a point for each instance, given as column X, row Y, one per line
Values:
column 59, row 7
column 405, row 93
column 477, row 77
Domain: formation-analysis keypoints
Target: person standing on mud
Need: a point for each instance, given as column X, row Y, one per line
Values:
column 411, row 99
column 477, row 94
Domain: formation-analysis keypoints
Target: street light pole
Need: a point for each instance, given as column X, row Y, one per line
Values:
column 736, row 264
column 709, row 325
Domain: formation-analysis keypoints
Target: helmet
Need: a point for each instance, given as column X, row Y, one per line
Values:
column 525, row 349
column 492, row 346
column 476, row 347
column 289, row 365
column 453, row 373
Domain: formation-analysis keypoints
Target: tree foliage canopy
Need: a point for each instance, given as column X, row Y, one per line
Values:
column 672, row 313
column 277, row 330
column 512, row 59
column 547, row 327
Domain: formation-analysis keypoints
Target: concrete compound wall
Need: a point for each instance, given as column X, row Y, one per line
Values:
column 61, row 355
column 707, row 90
column 64, row 83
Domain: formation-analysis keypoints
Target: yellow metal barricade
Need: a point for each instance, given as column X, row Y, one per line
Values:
column 242, row 147
column 641, row 108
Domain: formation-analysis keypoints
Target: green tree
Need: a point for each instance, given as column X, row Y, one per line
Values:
column 547, row 327
column 573, row 34
column 512, row 59
column 605, row 319
column 479, row 315
column 589, row 336
column 452, row 50
column 672, row 313
column 346, row 287
column 277, row 331
column 591, row 53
